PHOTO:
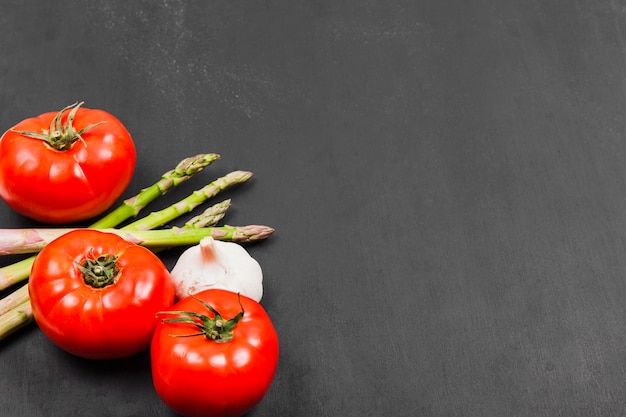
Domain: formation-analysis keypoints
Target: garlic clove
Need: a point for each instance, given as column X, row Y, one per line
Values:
column 217, row 264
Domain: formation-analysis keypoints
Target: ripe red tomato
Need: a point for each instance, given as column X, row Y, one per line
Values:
column 96, row 295
column 65, row 167
column 203, row 368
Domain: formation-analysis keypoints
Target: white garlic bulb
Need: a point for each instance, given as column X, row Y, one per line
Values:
column 217, row 264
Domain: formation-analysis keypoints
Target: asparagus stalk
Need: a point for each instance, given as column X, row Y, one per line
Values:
column 185, row 169
column 15, row 272
column 14, row 299
column 159, row 218
column 17, row 241
column 15, row 319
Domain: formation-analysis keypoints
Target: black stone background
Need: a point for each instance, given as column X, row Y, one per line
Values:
column 446, row 179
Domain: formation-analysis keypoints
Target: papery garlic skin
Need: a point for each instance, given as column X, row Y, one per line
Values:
column 217, row 264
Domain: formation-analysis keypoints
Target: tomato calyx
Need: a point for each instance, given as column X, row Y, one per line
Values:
column 61, row 136
column 215, row 328
column 100, row 271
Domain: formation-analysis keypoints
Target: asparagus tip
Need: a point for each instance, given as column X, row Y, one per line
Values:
column 255, row 232
column 194, row 164
column 240, row 176
column 210, row 216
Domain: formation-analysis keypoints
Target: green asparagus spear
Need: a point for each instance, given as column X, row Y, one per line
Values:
column 132, row 206
column 159, row 218
column 175, row 236
column 14, row 299
column 15, row 319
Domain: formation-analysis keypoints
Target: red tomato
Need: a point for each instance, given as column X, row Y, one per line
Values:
column 96, row 295
column 57, row 170
column 198, row 371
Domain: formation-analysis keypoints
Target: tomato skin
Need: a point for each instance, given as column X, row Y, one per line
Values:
column 112, row 322
column 80, row 183
column 195, row 376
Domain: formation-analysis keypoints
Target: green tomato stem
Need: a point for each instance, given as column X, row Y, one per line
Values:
column 101, row 271
column 215, row 328
column 61, row 136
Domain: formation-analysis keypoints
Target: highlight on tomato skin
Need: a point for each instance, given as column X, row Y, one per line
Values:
column 67, row 166
column 216, row 342
column 96, row 295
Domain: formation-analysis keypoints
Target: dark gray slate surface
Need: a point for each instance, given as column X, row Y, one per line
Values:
column 447, row 180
